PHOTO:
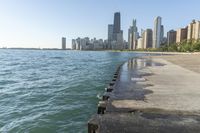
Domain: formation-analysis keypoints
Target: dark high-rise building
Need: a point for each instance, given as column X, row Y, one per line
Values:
column 117, row 25
column 181, row 34
column 63, row 43
column 161, row 34
column 148, row 36
column 171, row 37
column 115, row 34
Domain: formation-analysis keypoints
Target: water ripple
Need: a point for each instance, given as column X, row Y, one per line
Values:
column 52, row 91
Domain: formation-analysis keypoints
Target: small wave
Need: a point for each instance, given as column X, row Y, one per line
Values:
column 99, row 96
column 58, row 57
column 49, row 87
column 5, row 82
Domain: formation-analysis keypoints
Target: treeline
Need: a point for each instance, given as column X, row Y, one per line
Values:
column 184, row 46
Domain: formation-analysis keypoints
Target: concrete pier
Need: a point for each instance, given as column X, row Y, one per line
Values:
column 158, row 94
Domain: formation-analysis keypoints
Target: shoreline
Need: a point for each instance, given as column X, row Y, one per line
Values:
column 139, row 52
column 141, row 97
column 154, row 52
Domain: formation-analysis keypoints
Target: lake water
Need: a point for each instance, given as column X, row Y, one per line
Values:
column 53, row 91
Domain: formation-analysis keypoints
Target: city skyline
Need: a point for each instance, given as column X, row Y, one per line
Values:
column 23, row 26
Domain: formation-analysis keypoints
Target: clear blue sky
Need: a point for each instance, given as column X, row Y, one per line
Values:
column 42, row 23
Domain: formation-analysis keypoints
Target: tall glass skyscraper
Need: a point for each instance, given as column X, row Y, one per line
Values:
column 115, row 34
column 157, row 33
column 117, row 25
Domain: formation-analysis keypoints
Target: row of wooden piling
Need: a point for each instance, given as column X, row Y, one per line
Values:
column 92, row 125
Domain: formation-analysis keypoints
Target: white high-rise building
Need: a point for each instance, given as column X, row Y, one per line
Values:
column 197, row 31
column 83, row 44
column 140, row 43
column 78, row 43
column 73, row 44
column 193, row 30
column 157, row 33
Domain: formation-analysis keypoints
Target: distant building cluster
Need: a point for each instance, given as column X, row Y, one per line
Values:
column 190, row 32
column 114, row 41
column 155, row 38
column 88, row 44
column 148, row 38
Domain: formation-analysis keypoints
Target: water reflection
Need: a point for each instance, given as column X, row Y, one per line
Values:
column 139, row 63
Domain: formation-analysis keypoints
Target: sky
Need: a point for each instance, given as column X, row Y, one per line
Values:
column 42, row 23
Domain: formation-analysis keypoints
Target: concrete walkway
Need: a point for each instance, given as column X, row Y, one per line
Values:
column 153, row 95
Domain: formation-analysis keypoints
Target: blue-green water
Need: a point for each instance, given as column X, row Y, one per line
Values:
column 52, row 91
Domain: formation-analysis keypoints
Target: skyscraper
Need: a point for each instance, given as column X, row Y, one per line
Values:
column 157, row 33
column 181, row 34
column 148, row 38
column 117, row 24
column 73, row 44
column 190, row 30
column 161, row 34
column 117, row 39
column 171, row 37
column 197, row 30
column 140, row 44
column 78, row 43
column 110, row 35
column 63, row 43
column 133, row 36
column 193, row 30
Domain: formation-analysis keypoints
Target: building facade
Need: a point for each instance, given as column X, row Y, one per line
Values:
column 117, row 24
column 197, row 30
column 140, row 44
column 162, row 35
column 181, row 34
column 110, row 35
column 171, row 37
column 117, row 40
column 88, row 44
column 78, row 43
column 133, row 35
column 157, row 33
column 190, row 34
column 63, row 43
column 148, row 35
column 73, row 44
column 193, row 30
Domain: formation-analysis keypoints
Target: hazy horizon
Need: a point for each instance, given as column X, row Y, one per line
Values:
column 42, row 23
